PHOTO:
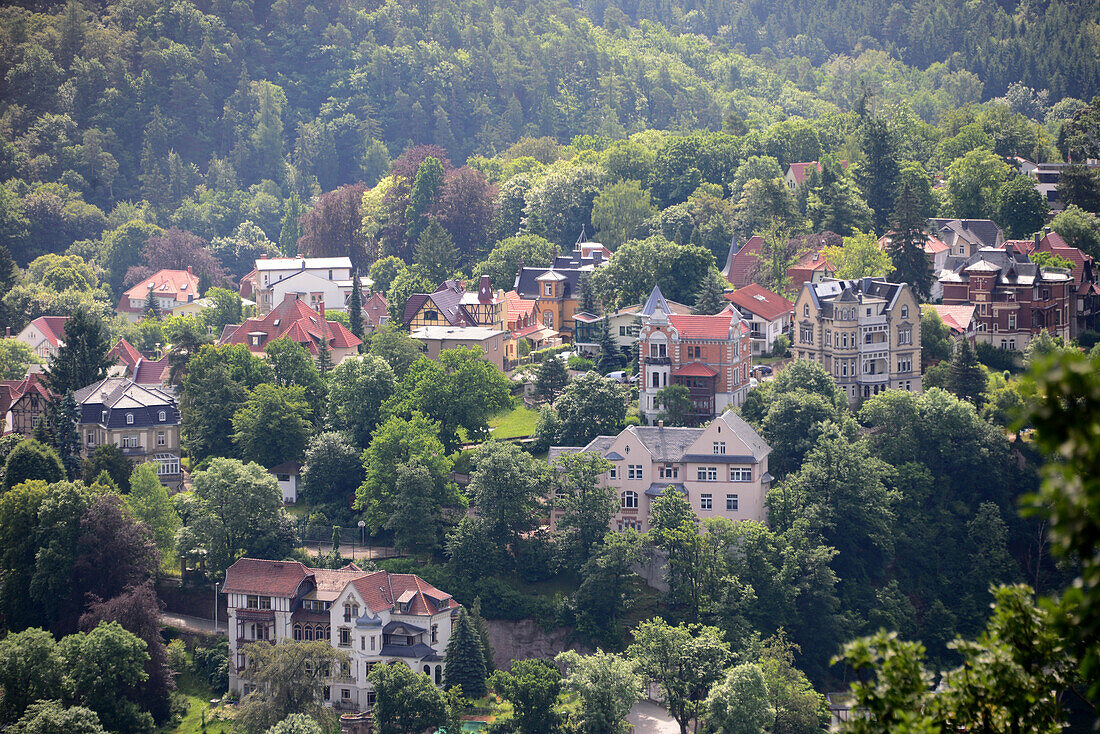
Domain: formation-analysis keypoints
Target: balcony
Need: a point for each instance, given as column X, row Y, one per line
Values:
column 882, row 347
column 872, row 320
column 133, row 451
column 657, row 360
column 876, row 378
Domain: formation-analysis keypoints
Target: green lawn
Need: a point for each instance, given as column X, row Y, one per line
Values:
column 198, row 696
column 520, row 421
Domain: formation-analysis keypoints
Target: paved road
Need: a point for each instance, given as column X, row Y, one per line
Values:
column 648, row 718
column 192, row 624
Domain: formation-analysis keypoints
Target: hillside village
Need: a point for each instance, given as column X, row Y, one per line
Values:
column 395, row 369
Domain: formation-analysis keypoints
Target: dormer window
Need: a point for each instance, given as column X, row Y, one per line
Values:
column 162, row 416
column 129, row 419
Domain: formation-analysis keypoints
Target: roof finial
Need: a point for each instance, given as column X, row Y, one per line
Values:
column 583, row 237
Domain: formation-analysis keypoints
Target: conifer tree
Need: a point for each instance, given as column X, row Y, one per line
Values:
column 551, row 378
column 64, row 418
column 589, row 302
column 711, row 298
column 465, row 660
column 152, row 309
column 611, row 358
column 906, row 247
column 435, row 252
column 82, row 358
column 482, row 632
column 290, row 230
column 355, row 306
column 965, row 377
column 324, row 357
column 426, row 189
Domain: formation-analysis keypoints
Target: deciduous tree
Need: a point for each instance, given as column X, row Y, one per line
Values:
column 407, row 701
column 289, row 678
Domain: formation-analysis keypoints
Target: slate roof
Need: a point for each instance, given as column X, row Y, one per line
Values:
column 666, row 444
column 981, row 232
column 758, row 300
column 118, row 397
column 447, row 299
column 1053, row 243
column 828, row 292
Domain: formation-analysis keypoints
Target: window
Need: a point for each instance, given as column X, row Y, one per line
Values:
column 905, row 312
column 129, row 419
column 622, row 331
column 91, row 439
column 634, row 471
column 372, row 642
column 740, row 473
column 351, row 611
column 345, row 694
column 298, row 632
column 706, row 502
column 435, row 634
column 806, row 334
column 439, row 675
column 362, row 642
column 806, row 310
column 844, row 339
column 167, row 464
column 629, row 500
column 905, row 365
column 656, row 379
column 548, row 319
column 828, row 338
column 431, row 315
column 695, row 352
column 668, row 472
column 308, row 633
column 160, row 438
column 719, row 447
column 1012, row 321
column 905, row 335
column 548, row 289
column 252, row 601
column 162, row 416
column 731, row 502
column 613, row 472
column 707, row 474
column 658, row 350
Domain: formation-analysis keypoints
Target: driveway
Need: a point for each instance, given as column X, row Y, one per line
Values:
column 188, row 623
column 648, row 718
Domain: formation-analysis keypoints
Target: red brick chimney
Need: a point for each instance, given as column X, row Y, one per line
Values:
column 321, row 309
column 190, row 271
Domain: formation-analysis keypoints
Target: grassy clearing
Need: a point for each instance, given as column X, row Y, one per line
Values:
column 519, row 421
column 198, row 695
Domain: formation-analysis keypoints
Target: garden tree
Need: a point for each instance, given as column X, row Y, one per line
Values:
column 435, row 252
column 113, row 551
column 30, row 670
column 506, row 490
column 764, row 201
column 675, row 403
column 82, row 358
column 63, row 417
column 607, row 590
column 138, row 610
column 273, row 425
column 15, row 358
column 638, row 265
column 406, row 283
column 797, row 708
column 619, row 209
column 19, row 508
column 1012, row 677
column 879, row 172
column 775, row 257
column 966, row 378
column 149, row 502
column 384, row 271
column 395, row 347
column 151, row 309
column 460, row 390
column 465, row 665
column 1042, row 345
column 355, row 305
column 505, row 259
column 104, row 670
column 293, row 365
column 216, row 387
column 1065, row 413
column 417, row 518
column 51, row 717
column 589, row 301
column 296, row 724
column 711, row 297
column 226, row 307
column 289, row 678
column 562, row 201
column 738, row 704
column 176, row 249
column 684, row 662
column 333, row 469
column 606, row 684
column 1079, row 228
column 239, row 250
column 859, row 257
column 396, row 442
column 792, row 425
column 471, row 557
column 611, row 358
column 837, row 205
column 186, row 336
column 467, row 209
column 239, row 513
column 289, row 229
column 425, row 191
column 332, row 227
column 358, row 387
column 590, row 406
column 974, row 182
column 585, row 503
column 532, row 687
column 1021, row 209
column 1079, row 186
column 551, row 377
column 935, row 338
column 547, row 428
column 32, row 460
column 673, row 531
column 482, row 630
column 407, row 702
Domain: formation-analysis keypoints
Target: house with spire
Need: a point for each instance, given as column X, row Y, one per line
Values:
column 625, row 324
column 298, row 322
column 376, row 617
column 709, row 355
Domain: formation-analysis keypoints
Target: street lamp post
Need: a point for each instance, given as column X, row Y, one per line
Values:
column 215, row 607
column 363, row 535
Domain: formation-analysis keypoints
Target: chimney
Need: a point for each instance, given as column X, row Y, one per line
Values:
column 485, row 289
column 1036, row 240
column 1046, row 230
column 7, row 331
column 321, row 309
column 190, row 271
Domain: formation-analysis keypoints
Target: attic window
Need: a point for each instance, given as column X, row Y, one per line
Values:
column 276, row 323
column 129, row 419
column 162, row 416
column 759, row 297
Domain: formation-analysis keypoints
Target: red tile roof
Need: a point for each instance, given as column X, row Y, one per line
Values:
column 375, row 309
column 297, row 321
column 181, row 285
column 800, row 172
column 739, row 269
column 126, row 353
column 151, row 372
column 696, row 369
column 258, row 576
column 759, row 300
column 956, row 317
column 52, row 327
column 698, row 326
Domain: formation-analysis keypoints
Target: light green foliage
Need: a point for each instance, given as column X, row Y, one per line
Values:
column 973, row 184
column 292, row 364
column 50, row 717
column 358, row 387
column 15, row 358
column 675, row 402
column 289, row 678
column 503, row 261
column 798, row 708
column 407, row 703
column 563, row 201
column 532, row 687
column 226, row 308
column 638, row 265
column 395, row 347
column 149, row 501
column 32, row 460
column 104, row 668
column 1079, row 228
column 586, row 504
column 618, row 210
column 273, row 425
column 935, row 337
column 296, row 724
column 607, row 686
column 739, row 704
column 405, row 283
column 506, row 489
column 859, row 257
column 384, row 271
column 590, row 406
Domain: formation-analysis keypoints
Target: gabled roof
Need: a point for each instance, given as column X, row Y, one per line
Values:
column 52, row 328
column 699, row 326
column 664, row 444
column 382, row 590
column 758, row 300
column 269, row 578
column 151, row 371
column 180, row 285
column 981, row 232
column 295, row 320
column 126, row 354
column 957, row 317
column 297, row 263
column 375, row 310
column 801, row 172
column 740, row 263
column 447, row 300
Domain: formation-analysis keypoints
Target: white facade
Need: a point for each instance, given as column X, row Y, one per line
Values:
column 321, row 279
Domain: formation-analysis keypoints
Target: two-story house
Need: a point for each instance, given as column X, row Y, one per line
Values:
column 864, row 332
column 722, row 469
column 1014, row 298
column 320, row 281
column 556, row 289
column 768, row 314
column 452, row 305
column 141, row 419
column 524, row 324
column 710, row 355
column 298, row 322
column 44, row 335
column 1085, row 295
column 23, row 403
column 377, row 618
column 626, row 323
column 964, row 237
column 170, row 288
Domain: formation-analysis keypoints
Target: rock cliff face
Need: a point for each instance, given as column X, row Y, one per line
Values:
column 525, row 639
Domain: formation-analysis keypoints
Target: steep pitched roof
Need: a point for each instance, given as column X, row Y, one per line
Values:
column 801, row 172
column 740, row 264
column 982, row 232
column 52, row 328
column 699, row 326
column 126, row 353
column 695, row 369
column 958, row 317
column 757, row 299
column 375, row 310
column 295, row 320
column 746, row 433
column 151, row 371
column 383, row 590
column 447, row 300
column 655, row 301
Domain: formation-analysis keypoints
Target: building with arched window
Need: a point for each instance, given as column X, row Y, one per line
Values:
column 375, row 617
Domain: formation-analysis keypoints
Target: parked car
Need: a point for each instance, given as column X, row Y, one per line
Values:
column 762, row 369
column 617, row 376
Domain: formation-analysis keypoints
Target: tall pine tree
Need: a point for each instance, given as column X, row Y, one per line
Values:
column 712, row 296
column 82, row 358
column 435, row 252
column 324, row 357
column 878, row 174
column 589, row 302
column 482, row 630
column 152, row 309
column 906, row 247
column 611, row 358
column 64, row 417
column 290, row 230
column 355, row 306
column 965, row 377
column 465, row 660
